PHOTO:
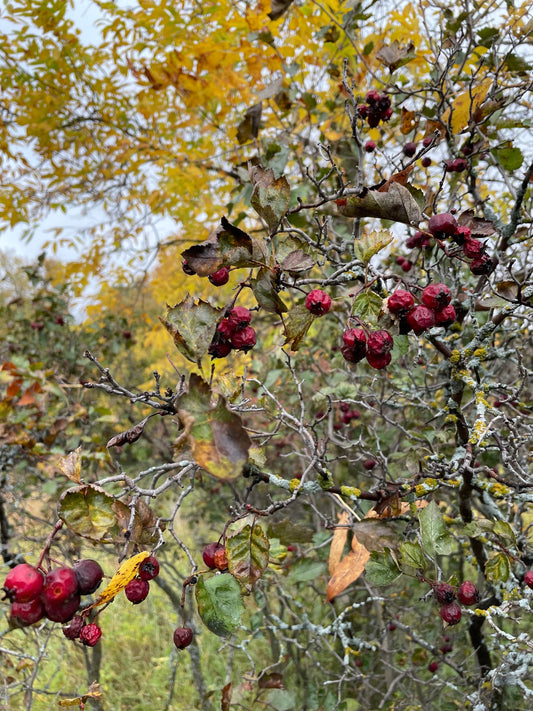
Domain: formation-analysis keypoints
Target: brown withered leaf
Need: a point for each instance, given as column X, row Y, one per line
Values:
column 227, row 246
column 248, row 128
column 401, row 178
column 279, row 8
column 271, row 681
column 297, row 261
column 129, row 436
column 348, row 570
column 409, row 121
column 478, row 225
column 93, row 692
column 70, row 465
column 394, row 55
column 225, row 701
column 340, row 537
column 397, row 205
column 144, row 529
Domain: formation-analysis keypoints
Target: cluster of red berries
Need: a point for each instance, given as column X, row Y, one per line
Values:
column 405, row 264
column 456, row 166
column 376, row 109
column 375, row 347
column 449, row 598
column 138, row 588
column 445, row 226
column 348, row 414
column 435, row 309
column 55, row 595
column 233, row 333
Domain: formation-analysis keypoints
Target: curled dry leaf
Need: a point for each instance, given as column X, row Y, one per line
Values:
column 129, row 436
column 70, row 465
column 397, row 205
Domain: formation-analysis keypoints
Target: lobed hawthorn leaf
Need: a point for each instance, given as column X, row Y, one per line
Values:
column 381, row 568
column 498, row 568
column 218, row 441
column 219, row 603
column 89, row 512
column 265, row 292
column 270, row 197
column 228, row 246
column 370, row 244
column 367, row 305
column 397, row 205
column 192, row 325
column 436, row 539
column 509, row 158
column 296, row 325
column 247, row 552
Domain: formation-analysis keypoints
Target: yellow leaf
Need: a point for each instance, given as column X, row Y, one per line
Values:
column 127, row 571
column 93, row 692
column 465, row 104
column 70, row 465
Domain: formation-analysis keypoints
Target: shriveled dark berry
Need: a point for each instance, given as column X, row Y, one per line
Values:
column 444, row 593
column 244, row 339
column 239, row 317
column 484, row 265
column 183, row 637
column 89, row 575
column 433, row 666
column 467, row 593
column 400, row 302
column 149, row 568
column 137, row 590
column 379, row 342
column 436, row 296
column 73, row 629
column 90, row 634
column 446, row 316
column 420, row 319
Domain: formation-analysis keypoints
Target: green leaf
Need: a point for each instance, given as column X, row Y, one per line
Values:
column 498, row 568
column 265, row 292
column 515, row 63
column 290, row 532
column 304, row 570
column 247, row 552
column 503, row 530
column 397, row 205
column 509, row 158
column 381, row 568
column 228, row 246
column 436, row 539
column 367, row 305
column 192, row 325
column 368, row 245
column 296, row 325
column 219, row 603
column 401, row 346
column 271, row 197
column 487, row 36
column 479, row 527
column 218, row 441
column 281, row 700
column 89, row 512
column 411, row 555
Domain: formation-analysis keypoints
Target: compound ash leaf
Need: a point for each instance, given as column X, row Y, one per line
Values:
column 219, row 603
column 296, row 325
column 218, row 441
column 465, row 105
column 127, row 571
column 70, row 465
column 192, row 324
column 397, row 205
column 270, row 197
column 129, row 436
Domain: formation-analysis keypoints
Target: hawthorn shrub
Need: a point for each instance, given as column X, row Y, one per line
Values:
column 349, row 426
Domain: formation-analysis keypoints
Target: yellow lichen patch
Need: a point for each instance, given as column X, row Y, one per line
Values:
column 350, row 491
column 294, row 484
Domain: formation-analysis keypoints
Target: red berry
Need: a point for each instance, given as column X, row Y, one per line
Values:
column 482, row 265
column 473, row 248
column 149, row 568
column 378, row 360
column 90, row 634
column 467, row 593
column 220, row 277
column 60, row 320
column 221, row 559
column 369, row 464
column 446, row 648
column 433, row 666
column 318, row 302
column 436, row 296
column 419, row 239
column 427, row 141
column 219, row 347
column 182, row 637
column 409, row 149
column 225, row 328
column 463, row 233
column 400, row 302
column 528, row 579
column 23, row 583
column 62, row 611
column 420, row 319
column 208, row 554
column 457, row 165
column 358, row 662
column 137, row 590
column 467, row 149
column 244, row 339
column 239, row 317
column 59, row 585
column 354, row 348
column 451, row 613
column 37, row 325
column 89, row 575
column 73, row 629
column 444, row 593
column 23, row 614
column 379, row 342
column 372, row 96
column 446, row 316
column 370, row 146
column 407, row 265
column 444, row 224
column 426, row 162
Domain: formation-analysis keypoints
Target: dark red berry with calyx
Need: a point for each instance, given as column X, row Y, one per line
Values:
column 407, row 265
column 23, row 583
column 89, row 575
column 400, row 302
column 318, row 302
column 419, row 239
column 379, row 342
column 137, row 590
column 183, row 637
column 370, row 146
column 444, row 593
column 23, row 614
column 378, row 360
column 463, row 233
column 420, row 319
column 244, row 339
column 446, row 648
column 73, row 629
column 64, row 610
column 426, row 162
column 239, row 317
column 90, row 634
column 187, row 269
column 372, row 96
column 427, row 141
column 208, row 554
column 467, row 149
column 369, row 464
column 149, row 568
column 354, row 345
column 220, row 277
column 528, row 579
column 446, row 316
column 451, row 614
column 409, row 149
column 59, row 585
column 433, row 666
column 484, row 265
column 473, row 248
column 457, row 165
column 467, row 593
column 225, row 328
column 436, row 296
column 219, row 347
column 443, row 225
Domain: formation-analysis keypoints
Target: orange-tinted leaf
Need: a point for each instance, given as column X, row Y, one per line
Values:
column 28, row 397
column 401, row 178
column 93, row 692
column 339, row 541
column 409, row 121
column 348, row 570
column 271, row 681
column 225, row 702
